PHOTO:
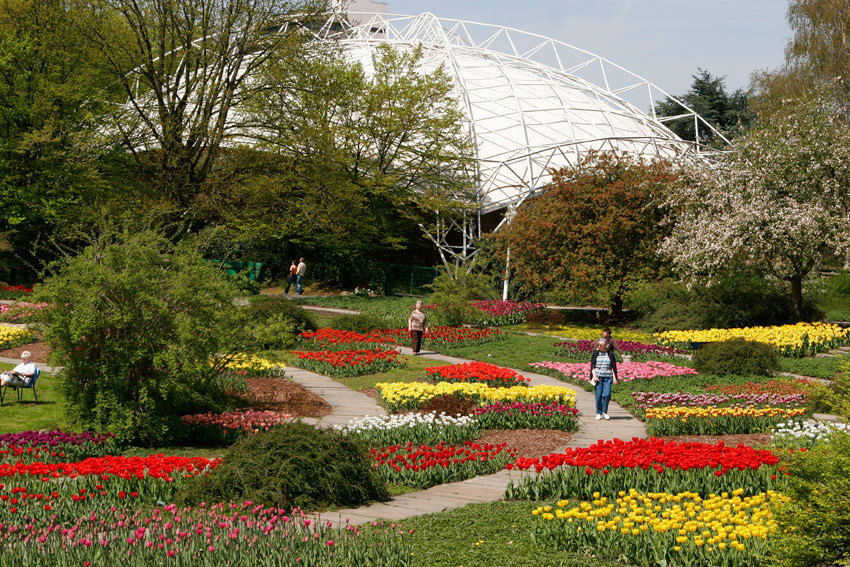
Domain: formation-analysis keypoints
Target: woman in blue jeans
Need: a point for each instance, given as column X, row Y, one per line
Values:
column 603, row 373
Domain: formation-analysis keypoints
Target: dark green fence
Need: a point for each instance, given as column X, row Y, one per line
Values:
column 254, row 270
column 407, row 280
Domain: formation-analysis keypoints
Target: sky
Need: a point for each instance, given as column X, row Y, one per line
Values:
column 663, row 41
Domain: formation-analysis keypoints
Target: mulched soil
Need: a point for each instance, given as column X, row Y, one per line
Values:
column 280, row 395
column 39, row 352
column 750, row 439
column 529, row 443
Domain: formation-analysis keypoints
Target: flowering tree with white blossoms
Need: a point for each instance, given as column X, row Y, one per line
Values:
column 779, row 202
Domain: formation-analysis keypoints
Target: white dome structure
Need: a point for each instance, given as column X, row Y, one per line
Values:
column 531, row 103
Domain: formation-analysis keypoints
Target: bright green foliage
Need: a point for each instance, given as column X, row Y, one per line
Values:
column 135, row 321
column 455, row 288
column 46, row 92
column 293, row 465
column 593, row 234
column 736, row 356
column 815, row 524
column 837, row 396
column 270, row 322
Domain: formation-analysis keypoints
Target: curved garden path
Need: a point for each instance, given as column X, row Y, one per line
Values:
column 349, row 404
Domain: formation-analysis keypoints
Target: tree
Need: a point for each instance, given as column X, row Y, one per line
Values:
column 353, row 162
column 183, row 67
column 779, row 204
column 134, row 321
column 817, row 58
column 729, row 113
column 594, row 231
column 47, row 84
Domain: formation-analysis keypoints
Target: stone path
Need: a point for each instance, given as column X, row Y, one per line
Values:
column 349, row 404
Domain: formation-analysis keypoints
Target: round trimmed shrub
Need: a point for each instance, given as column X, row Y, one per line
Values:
column 271, row 322
column 295, row 465
column 736, row 356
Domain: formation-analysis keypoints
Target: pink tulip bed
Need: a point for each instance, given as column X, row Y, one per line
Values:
column 626, row 371
column 225, row 428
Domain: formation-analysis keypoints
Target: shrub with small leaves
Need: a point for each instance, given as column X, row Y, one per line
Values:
column 736, row 356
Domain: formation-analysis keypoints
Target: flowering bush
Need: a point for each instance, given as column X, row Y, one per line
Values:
column 22, row 312
column 626, row 371
column 801, row 339
column 481, row 372
column 248, row 365
column 423, row 466
column 54, row 446
column 675, row 420
column 221, row 534
column 416, row 428
column 504, row 312
column 520, row 415
column 647, row 465
column 398, row 396
column 11, row 337
column 797, row 433
column 224, row 428
column 644, row 400
column 347, row 363
column 583, row 348
column 727, row 530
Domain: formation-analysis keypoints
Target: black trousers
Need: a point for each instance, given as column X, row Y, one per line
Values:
column 416, row 339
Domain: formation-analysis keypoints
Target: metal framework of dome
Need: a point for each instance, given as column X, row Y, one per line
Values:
column 531, row 103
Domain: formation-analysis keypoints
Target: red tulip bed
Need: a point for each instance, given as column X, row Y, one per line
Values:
column 447, row 338
column 647, row 465
column 779, row 387
column 424, row 466
column 520, row 415
column 14, row 291
column 334, row 339
column 481, row 372
column 348, row 363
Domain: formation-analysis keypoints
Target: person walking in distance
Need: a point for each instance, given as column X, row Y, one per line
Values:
column 417, row 324
column 603, row 373
column 612, row 342
column 291, row 279
column 300, row 271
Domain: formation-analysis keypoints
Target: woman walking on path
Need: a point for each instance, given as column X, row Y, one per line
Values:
column 417, row 324
column 603, row 373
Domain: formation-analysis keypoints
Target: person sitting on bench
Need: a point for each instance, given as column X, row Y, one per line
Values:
column 22, row 374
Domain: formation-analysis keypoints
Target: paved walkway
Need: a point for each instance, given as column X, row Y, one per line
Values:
column 349, row 404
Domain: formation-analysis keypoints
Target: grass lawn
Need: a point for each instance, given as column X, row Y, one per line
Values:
column 516, row 352
column 484, row 535
column 826, row 368
column 46, row 414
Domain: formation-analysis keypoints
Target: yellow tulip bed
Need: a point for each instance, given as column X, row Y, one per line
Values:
column 252, row 365
column 682, row 420
column 14, row 336
column 592, row 332
column 802, row 339
column 664, row 529
column 401, row 396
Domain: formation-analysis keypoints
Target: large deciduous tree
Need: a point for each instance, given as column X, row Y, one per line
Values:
column 779, row 203
column 355, row 160
column 47, row 83
column 183, row 67
column 817, row 58
column 594, row 231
